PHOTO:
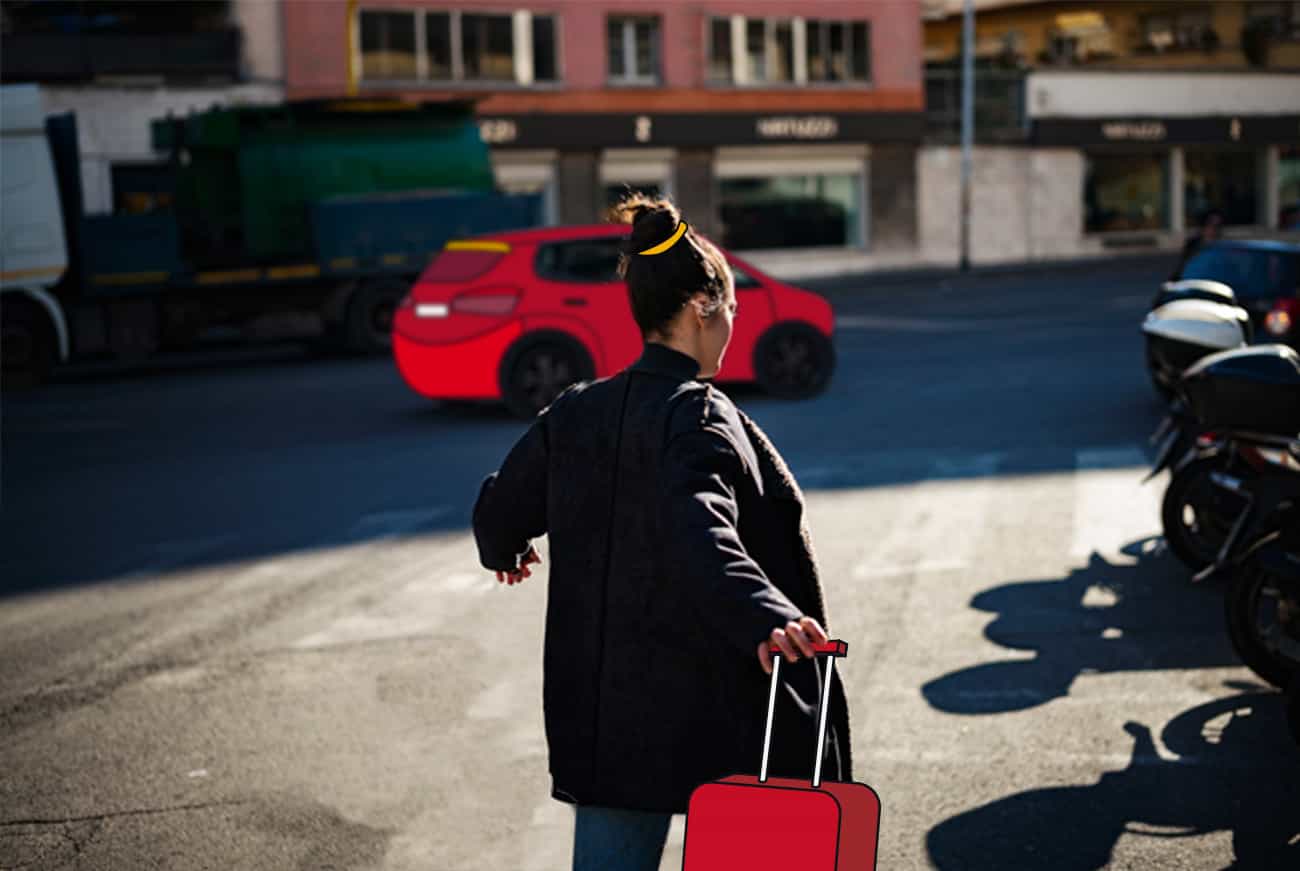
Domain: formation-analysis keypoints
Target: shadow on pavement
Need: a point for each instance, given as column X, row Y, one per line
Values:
column 1235, row 769
column 1101, row 618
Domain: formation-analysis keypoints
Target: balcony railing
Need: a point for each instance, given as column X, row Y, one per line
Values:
column 999, row 105
column 48, row 57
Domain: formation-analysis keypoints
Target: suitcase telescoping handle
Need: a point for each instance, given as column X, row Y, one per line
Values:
column 830, row 650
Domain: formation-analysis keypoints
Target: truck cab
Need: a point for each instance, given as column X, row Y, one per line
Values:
column 33, row 248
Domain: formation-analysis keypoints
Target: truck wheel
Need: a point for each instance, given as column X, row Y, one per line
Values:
column 537, row 370
column 370, row 315
column 28, row 343
column 794, row 361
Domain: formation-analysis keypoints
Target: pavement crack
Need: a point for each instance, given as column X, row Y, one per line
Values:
column 135, row 812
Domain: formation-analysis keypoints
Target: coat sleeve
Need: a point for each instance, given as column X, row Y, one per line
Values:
column 703, row 552
column 511, row 505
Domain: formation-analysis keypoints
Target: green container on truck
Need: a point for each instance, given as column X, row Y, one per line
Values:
column 307, row 220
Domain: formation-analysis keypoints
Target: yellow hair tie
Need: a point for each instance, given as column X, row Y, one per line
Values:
column 669, row 242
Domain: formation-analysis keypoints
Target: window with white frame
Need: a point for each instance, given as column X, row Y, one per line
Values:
column 454, row 46
column 745, row 50
column 634, row 53
column 838, row 51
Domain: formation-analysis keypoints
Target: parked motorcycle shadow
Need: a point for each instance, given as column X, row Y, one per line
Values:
column 1235, row 770
column 1104, row 617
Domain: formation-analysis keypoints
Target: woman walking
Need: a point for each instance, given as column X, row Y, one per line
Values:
column 679, row 555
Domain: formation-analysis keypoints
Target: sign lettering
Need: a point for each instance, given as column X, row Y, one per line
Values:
column 1135, row 131
column 495, row 131
column 798, row 127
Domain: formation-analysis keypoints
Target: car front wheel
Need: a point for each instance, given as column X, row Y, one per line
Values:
column 794, row 361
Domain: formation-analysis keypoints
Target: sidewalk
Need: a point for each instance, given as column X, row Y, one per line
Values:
column 1158, row 263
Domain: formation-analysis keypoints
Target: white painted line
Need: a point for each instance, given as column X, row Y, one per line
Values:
column 675, row 845
column 1112, row 508
column 938, row 522
column 168, row 555
column 383, row 524
column 910, row 325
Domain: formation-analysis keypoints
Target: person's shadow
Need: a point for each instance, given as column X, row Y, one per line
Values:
column 1102, row 617
column 1235, row 770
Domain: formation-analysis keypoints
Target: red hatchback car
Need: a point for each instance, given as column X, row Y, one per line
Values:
column 519, row 316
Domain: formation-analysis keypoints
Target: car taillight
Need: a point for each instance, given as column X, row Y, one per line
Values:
column 1281, row 318
column 486, row 302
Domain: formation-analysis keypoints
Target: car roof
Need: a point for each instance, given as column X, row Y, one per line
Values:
column 539, row 235
column 557, row 234
column 1258, row 245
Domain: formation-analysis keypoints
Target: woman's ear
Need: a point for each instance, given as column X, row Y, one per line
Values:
column 700, row 302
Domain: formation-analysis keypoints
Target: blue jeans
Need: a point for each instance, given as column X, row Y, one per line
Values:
column 607, row 839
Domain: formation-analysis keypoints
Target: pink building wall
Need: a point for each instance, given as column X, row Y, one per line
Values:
column 316, row 56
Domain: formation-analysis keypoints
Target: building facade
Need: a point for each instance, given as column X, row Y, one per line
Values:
column 789, row 128
column 1139, row 118
column 119, row 65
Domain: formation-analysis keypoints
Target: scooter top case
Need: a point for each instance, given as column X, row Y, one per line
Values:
column 1194, row 288
column 1183, row 331
column 1256, row 389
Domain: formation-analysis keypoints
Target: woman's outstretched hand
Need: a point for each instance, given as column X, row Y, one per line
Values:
column 522, row 572
column 795, row 640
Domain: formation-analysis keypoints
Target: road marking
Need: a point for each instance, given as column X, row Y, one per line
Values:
column 168, row 555
column 675, row 845
column 911, row 325
column 1112, row 508
column 938, row 523
column 420, row 607
column 386, row 524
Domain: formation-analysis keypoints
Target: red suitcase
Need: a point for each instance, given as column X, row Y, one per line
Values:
column 745, row 822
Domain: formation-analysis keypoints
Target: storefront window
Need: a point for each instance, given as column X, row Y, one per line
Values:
column 1288, row 197
column 1126, row 192
column 791, row 211
column 1222, row 181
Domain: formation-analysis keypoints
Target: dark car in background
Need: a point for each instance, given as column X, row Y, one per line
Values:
column 1265, row 277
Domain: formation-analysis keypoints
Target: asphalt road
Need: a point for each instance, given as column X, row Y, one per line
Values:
column 242, row 623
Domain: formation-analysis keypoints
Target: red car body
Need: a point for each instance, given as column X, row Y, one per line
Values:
column 481, row 297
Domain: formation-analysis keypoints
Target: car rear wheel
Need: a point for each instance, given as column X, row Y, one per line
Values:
column 794, row 361
column 539, row 371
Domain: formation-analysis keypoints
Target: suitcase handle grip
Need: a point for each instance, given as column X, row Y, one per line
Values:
column 830, row 650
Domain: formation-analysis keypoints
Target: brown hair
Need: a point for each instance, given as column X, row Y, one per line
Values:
column 660, row 285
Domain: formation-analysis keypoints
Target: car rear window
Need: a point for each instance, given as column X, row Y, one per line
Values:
column 582, row 260
column 744, row 281
column 450, row 266
column 1251, row 273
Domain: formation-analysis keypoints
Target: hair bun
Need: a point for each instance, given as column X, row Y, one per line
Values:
column 653, row 219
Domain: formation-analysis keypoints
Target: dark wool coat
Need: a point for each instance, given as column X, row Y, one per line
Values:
column 677, row 543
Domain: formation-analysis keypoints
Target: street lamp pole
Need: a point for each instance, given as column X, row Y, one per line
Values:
column 967, row 124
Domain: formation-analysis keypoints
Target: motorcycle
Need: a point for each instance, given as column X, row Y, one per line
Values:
column 1186, row 329
column 1251, row 399
column 1194, row 288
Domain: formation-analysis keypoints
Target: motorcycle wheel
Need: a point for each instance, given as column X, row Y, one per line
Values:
column 1256, row 593
column 1197, row 515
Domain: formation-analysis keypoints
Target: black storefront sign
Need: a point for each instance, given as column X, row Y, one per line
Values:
column 583, row 130
column 1253, row 130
